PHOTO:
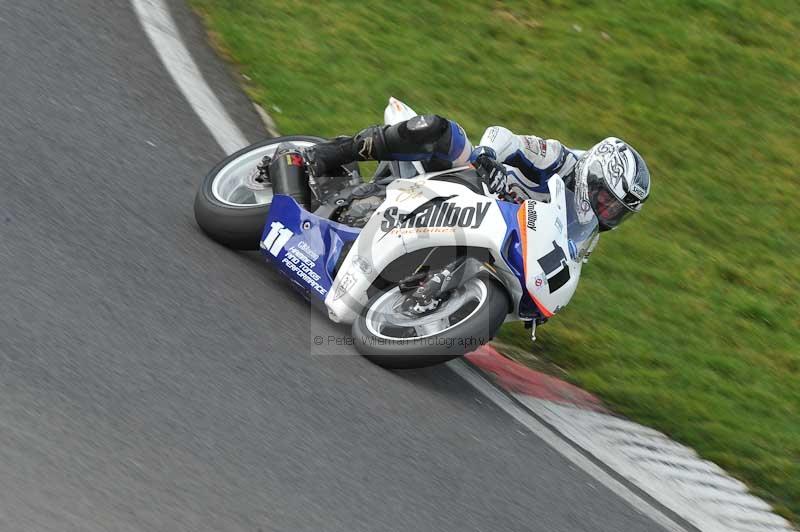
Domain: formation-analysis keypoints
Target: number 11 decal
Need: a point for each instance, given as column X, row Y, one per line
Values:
column 553, row 261
column 277, row 237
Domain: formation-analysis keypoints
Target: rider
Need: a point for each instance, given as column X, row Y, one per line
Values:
column 611, row 178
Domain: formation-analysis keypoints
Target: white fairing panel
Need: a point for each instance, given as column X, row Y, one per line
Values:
column 396, row 112
column 551, row 271
column 417, row 214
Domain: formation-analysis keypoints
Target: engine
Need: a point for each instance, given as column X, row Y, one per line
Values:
column 365, row 200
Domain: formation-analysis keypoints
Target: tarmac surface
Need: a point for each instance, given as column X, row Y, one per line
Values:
column 151, row 379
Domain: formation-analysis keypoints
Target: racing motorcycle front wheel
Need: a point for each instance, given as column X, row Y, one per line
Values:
column 233, row 200
column 392, row 335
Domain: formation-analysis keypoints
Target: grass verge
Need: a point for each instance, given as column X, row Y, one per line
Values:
column 687, row 319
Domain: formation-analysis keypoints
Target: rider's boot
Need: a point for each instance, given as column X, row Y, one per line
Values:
column 418, row 138
column 325, row 157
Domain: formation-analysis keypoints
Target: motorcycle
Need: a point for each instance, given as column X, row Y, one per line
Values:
column 425, row 266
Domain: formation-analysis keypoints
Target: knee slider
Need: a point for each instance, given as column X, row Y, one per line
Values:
column 424, row 129
column 417, row 135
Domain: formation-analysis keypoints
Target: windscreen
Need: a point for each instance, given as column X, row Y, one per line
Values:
column 581, row 230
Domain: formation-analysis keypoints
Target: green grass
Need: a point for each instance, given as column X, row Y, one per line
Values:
column 687, row 319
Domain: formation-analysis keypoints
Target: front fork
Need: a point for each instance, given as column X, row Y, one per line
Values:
column 427, row 289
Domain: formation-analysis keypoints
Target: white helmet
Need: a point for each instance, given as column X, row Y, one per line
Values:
column 613, row 180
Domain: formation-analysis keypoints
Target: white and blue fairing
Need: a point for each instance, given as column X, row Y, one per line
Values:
column 533, row 255
column 303, row 246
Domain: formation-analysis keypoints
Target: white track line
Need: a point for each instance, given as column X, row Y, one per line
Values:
column 163, row 33
column 166, row 39
column 697, row 490
column 556, row 442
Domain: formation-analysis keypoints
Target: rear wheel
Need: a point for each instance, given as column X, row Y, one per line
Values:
column 232, row 203
column 390, row 335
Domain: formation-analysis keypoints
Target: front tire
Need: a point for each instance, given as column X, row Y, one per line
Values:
column 225, row 208
column 394, row 342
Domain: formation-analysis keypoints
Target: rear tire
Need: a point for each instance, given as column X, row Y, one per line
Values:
column 476, row 329
column 238, row 226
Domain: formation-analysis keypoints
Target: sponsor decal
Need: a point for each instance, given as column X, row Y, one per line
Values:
column 303, row 267
column 294, row 159
column 277, row 237
column 559, row 225
column 573, row 249
column 638, row 191
column 362, row 264
column 436, row 214
column 539, row 282
column 305, row 248
column 412, row 192
column 299, row 258
column 559, row 187
column 543, row 148
column 532, row 144
column 347, row 282
column 532, row 216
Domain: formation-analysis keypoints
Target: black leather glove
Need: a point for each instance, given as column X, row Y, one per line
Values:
column 493, row 173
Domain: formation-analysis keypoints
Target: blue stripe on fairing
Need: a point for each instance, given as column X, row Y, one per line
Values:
column 457, row 141
column 512, row 251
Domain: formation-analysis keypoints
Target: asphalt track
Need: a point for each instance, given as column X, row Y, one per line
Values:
column 153, row 380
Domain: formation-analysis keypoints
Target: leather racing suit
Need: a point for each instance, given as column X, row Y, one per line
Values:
column 440, row 144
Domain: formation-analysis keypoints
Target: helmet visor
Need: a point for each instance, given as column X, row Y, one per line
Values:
column 610, row 210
